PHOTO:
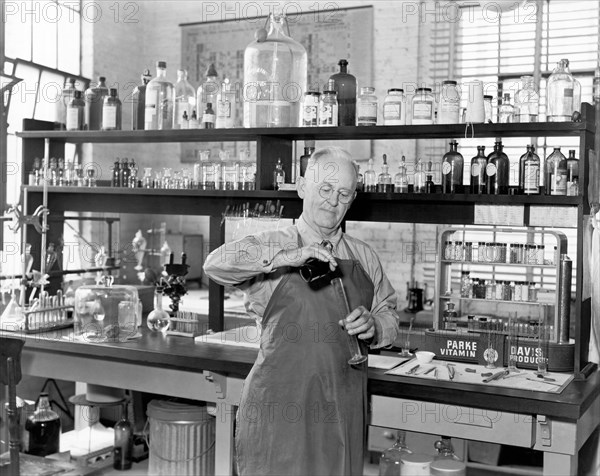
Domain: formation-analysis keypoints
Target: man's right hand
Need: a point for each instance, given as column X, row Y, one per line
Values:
column 296, row 257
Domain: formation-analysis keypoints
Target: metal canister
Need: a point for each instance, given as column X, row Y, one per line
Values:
column 564, row 299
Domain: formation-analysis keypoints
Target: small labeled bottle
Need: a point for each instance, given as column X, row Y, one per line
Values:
column 309, row 148
column 564, row 93
column 63, row 102
column 370, row 178
column 125, row 172
column 94, row 102
column 185, row 121
column 452, row 170
column 450, row 317
column 572, row 174
column 133, row 174
column 478, row 175
column 429, row 184
column 208, row 90
column 226, row 102
column 158, row 114
column 394, row 108
column 43, row 429
column 278, row 175
column 384, row 181
column 310, row 109
column 556, row 173
column 345, row 86
column 138, row 102
column 76, row 112
column 506, row 110
column 401, row 179
column 422, row 107
column 497, row 171
column 529, row 172
column 123, row 448
column 111, row 112
column 527, row 101
column 449, row 105
column 194, row 123
column 328, row 107
column 208, row 118
column 116, row 173
column 366, row 107
column 419, row 179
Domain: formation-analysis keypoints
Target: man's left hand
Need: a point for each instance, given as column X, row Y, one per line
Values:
column 361, row 322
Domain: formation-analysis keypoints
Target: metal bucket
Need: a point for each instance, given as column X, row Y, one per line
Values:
column 182, row 439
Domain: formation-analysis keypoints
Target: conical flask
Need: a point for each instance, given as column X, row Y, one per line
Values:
column 275, row 71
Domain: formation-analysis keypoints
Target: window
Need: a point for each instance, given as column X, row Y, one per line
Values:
column 42, row 46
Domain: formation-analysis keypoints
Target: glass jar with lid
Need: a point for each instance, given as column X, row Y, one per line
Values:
column 527, row 101
column 394, row 108
column 449, row 104
column 328, row 107
column 310, row 109
column 366, row 107
column 422, row 107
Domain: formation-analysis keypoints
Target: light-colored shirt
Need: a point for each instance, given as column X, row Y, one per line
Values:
column 247, row 264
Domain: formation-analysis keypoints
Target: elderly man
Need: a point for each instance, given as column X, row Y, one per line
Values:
column 303, row 406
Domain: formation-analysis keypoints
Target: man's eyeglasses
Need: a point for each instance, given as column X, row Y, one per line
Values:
column 344, row 196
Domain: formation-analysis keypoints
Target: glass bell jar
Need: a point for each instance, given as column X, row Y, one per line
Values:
column 275, row 69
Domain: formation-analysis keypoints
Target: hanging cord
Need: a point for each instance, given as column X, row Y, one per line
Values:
column 64, row 407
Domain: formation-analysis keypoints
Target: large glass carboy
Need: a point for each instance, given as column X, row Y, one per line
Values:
column 274, row 78
column 564, row 93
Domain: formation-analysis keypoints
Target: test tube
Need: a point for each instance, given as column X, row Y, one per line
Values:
column 357, row 355
column 542, row 352
column 512, row 343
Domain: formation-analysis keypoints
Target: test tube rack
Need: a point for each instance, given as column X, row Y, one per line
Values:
column 186, row 324
column 47, row 313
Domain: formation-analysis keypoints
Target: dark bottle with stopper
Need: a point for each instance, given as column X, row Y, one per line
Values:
column 123, row 449
column 43, row 429
column 478, row 176
column 309, row 148
column 345, row 86
column 138, row 102
column 452, row 170
column 497, row 170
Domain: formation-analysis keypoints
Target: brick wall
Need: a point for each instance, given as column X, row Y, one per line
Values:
column 122, row 47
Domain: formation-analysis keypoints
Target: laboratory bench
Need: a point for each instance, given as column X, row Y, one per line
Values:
column 557, row 424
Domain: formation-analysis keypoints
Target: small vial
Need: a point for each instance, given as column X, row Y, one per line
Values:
column 540, row 254
column 525, row 291
column 490, row 289
column 532, row 293
column 499, row 290
column 468, row 255
column 458, row 251
column 518, row 295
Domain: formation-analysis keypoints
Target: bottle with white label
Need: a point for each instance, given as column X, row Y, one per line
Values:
column 572, row 174
column 556, row 173
column 452, row 170
column 328, row 107
column 366, row 107
column 158, row 113
column 478, row 176
column 208, row 118
column 226, row 102
column 497, row 171
column 111, row 112
column 75, row 117
column 563, row 93
column 449, row 105
column 529, row 172
column 422, row 107
column 394, row 108
column 185, row 99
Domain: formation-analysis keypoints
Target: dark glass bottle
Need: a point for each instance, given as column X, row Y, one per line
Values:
column 94, row 101
column 478, row 176
column 556, row 173
column 116, row 174
column 208, row 118
column 529, row 172
column 123, row 448
column 138, row 102
column 345, row 86
column 43, row 429
column 429, row 185
column 133, row 174
column 125, row 172
column 309, row 148
column 452, row 170
column 497, row 171
column 572, row 174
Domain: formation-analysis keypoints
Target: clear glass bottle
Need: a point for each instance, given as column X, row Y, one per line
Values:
column 159, row 319
column 184, row 101
column 497, row 171
column 208, row 117
column 450, row 317
column 452, row 170
column 94, row 101
column 111, row 112
column 210, row 174
column 271, row 64
column 75, row 116
column 445, row 450
column 209, row 89
column 158, row 113
column 147, row 180
column 401, row 178
column 422, row 107
column 488, row 108
column 527, row 101
column 62, row 104
column 506, row 110
column 370, row 178
column 529, row 172
column 556, row 173
column 394, row 108
column 278, row 175
column 138, row 102
column 572, row 174
column 43, row 429
column 563, row 93
column 226, row 106
column 449, row 105
column 384, row 180
column 123, row 447
column 419, row 178
column 366, row 107
column 345, row 86
column 328, row 106
column 391, row 459
column 230, row 171
column 478, row 175
column 310, row 109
